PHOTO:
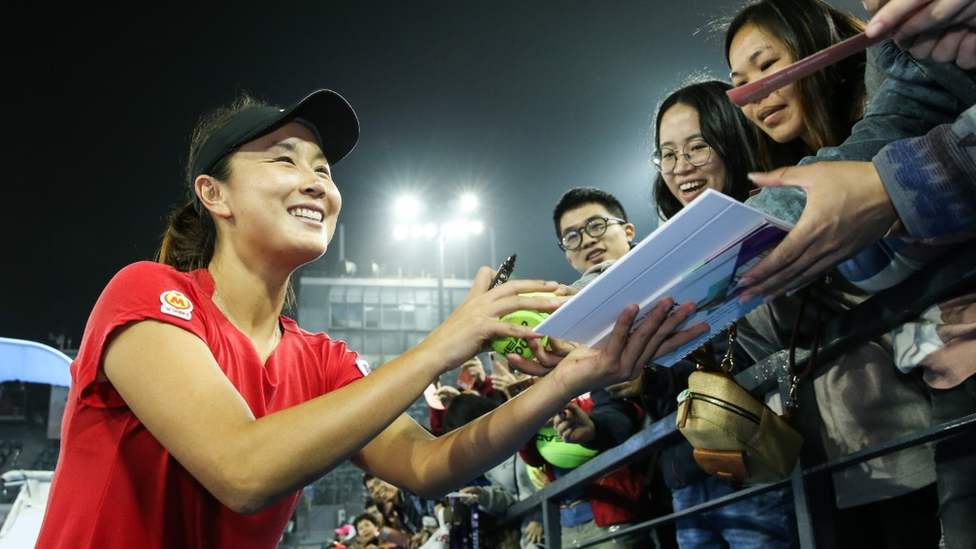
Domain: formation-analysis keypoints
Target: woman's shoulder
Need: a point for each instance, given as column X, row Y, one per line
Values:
column 149, row 275
column 151, row 269
column 146, row 284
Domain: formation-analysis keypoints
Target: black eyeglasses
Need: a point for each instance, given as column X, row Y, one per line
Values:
column 595, row 227
column 696, row 152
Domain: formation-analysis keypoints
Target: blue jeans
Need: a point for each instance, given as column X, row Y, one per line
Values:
column 764, row 521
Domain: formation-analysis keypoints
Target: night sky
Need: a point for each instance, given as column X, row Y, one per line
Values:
column 516, row 101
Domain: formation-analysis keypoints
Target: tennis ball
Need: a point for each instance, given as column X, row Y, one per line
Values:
column 559, row 452
column 517, row 345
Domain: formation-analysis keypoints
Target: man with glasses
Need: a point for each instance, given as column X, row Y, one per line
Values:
column 592, row 228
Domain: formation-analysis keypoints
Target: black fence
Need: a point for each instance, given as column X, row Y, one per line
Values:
column 872, row 318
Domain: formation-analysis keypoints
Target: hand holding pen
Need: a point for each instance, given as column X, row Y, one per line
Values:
column 504, row 271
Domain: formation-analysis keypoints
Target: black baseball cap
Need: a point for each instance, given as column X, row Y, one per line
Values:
column 326, row 112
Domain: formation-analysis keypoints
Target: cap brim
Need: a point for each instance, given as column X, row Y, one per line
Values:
column 333, row 118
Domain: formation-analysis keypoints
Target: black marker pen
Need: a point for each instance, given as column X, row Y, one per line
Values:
column 505, row 271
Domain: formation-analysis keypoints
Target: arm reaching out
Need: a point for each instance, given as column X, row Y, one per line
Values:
column 438, row 465
column 847, row 209
column 173, row 384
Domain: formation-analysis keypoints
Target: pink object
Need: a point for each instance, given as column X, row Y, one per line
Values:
column 754, row 91
column 434, row 401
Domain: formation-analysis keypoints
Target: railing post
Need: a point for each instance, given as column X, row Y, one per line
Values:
column 551, row 525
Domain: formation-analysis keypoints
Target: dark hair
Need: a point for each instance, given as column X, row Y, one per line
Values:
column 190, row 237
column 726, row 130
column 579, row 196
column 465, row 408
column 831, row 99
column 365, row 516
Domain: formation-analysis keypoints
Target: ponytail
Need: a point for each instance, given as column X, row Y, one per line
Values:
column 188, row 243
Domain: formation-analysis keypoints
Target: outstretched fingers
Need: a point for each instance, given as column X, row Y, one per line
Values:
column 621, row 338
column 656, row 336
column 790, row 265
column 659, row 334
column 953, row 44
column 542, row 363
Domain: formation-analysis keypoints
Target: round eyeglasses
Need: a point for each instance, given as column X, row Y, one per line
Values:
column 595, row 227
column 696, row 152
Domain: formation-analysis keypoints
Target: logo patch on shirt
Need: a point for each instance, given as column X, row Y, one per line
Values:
column 363, row 367
column 175, row 304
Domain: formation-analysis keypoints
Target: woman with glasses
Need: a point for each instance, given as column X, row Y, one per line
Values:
column 702, row 141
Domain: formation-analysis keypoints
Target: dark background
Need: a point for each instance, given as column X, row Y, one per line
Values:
column 517, row 101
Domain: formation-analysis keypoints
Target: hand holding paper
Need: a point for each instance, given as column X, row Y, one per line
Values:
column 847, row 208
column 695, row 259
column 627, row 349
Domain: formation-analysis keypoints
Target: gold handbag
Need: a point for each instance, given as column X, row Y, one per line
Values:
column 735, row 435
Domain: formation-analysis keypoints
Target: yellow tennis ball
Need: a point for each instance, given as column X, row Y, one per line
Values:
column 517, row 345
column 560, row 453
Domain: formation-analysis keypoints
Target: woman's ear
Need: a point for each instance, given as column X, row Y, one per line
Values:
column 211, row 194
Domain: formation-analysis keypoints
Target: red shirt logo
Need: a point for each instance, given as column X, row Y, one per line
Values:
column 176, row 304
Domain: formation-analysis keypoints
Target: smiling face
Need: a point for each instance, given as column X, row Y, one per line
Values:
column 380, row 491
column 366, row 530
column 279, row 198
column 613, row 244
column 681, row 130
column 754, row 53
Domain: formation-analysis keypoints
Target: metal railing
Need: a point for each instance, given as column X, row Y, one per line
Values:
column 868, row 320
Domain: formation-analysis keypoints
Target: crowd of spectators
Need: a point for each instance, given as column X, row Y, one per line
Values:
column 878, row 117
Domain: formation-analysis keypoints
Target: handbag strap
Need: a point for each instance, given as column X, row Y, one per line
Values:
column 798, row 374
column 704, row 356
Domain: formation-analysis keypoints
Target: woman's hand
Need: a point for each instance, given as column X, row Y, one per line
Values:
column 623, row 357
column 446, row 394
column 474, row 492
column 847, row 209
column 470, row 328
column 501, row 381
